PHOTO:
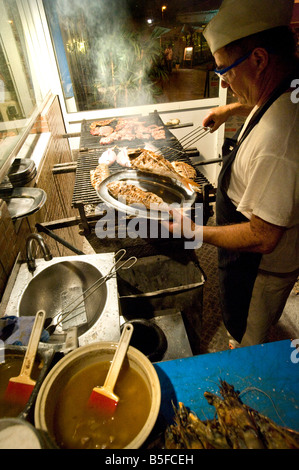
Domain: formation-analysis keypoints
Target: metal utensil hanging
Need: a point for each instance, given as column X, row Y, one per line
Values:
column 63, row 314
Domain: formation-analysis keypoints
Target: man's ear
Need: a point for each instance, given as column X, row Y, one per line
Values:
column 259, row 58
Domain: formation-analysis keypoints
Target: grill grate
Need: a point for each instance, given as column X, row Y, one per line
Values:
column 85, row 193
column 88, row 141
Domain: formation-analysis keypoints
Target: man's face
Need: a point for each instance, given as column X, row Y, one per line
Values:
column 239, row 79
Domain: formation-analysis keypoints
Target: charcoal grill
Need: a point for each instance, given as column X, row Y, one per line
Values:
column 85, row 195
column 85, row 199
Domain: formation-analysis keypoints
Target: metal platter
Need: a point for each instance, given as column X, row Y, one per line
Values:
column 22, row 202
column 169, row 189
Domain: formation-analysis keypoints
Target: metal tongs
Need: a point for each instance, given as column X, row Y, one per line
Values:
column 186, row 141
column 63, row 314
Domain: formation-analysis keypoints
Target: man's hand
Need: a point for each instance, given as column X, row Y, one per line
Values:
column 180, row 225
column 218, row 116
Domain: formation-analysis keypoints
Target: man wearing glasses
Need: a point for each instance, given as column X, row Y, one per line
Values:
column 257, row 204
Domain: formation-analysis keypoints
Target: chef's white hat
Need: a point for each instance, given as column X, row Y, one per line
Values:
column 237, row 19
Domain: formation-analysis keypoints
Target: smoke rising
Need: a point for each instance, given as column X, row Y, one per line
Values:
column 111, row 59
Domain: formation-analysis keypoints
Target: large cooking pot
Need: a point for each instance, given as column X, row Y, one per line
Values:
column 81, row 358
column 44, row 357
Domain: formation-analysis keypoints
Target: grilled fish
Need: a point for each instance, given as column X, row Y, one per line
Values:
column 155, row 163
column 98, row 175
column 131, row 194
column 185, row 170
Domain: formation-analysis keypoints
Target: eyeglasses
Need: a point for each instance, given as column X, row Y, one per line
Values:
column 222, row 72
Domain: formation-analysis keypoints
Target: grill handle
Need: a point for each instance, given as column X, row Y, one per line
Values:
column 41, row 228
column 168, row 290
column 209, row 162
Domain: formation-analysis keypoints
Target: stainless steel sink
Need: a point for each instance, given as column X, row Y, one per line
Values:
column 58, row 290
column 55, row 284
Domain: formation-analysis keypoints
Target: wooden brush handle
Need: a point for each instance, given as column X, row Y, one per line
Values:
column 118, row 357
column 33, row 344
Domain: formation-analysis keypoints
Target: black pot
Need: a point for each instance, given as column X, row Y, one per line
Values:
column 148, row 338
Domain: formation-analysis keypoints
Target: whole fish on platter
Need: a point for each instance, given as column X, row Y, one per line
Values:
column 132, row 194
column 155, row 163
column 185, row 170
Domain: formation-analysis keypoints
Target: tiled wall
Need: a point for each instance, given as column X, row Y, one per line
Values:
column 59, row 189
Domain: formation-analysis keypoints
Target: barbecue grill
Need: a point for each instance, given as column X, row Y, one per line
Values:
column 85, row 196
column 86, row 200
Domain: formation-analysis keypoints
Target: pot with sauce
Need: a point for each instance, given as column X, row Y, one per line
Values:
column 62, row 403
column 10, row 366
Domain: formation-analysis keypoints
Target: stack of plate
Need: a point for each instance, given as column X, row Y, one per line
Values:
column 21, row 172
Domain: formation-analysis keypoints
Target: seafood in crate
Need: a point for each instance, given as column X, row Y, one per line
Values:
column 237, row 426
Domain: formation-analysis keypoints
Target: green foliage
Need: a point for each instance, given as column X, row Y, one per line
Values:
column 129, row 68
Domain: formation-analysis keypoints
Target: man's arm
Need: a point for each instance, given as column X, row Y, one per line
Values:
column 218, row 116
column 256, row 235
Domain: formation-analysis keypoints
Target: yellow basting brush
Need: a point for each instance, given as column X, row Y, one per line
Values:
column 20, row 388
column 102, row 398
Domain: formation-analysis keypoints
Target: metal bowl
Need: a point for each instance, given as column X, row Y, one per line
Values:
column 55, row 287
